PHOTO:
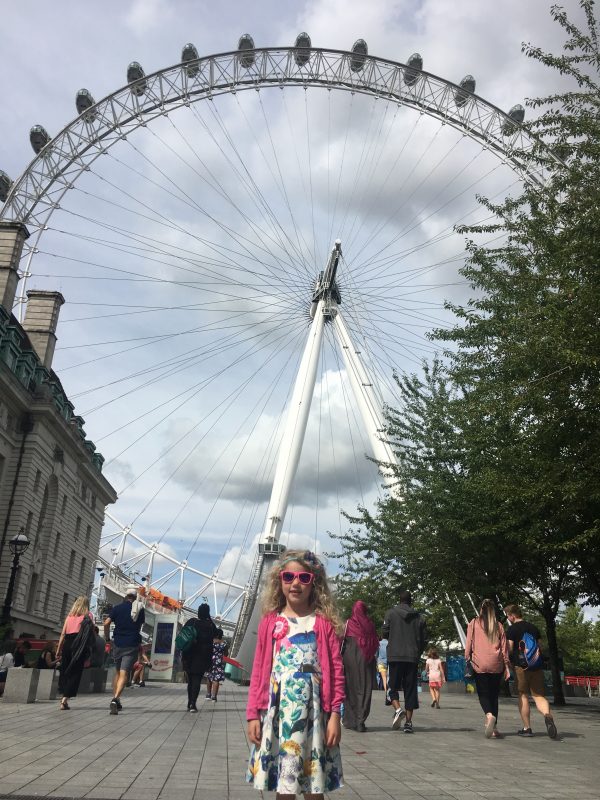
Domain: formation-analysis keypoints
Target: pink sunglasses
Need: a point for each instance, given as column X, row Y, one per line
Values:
column 305, row 578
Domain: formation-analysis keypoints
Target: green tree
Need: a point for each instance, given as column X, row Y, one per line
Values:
column 528, row 343
column 579, row 642
column 497, row 452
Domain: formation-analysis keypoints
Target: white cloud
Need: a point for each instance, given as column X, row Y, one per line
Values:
column 145, row 16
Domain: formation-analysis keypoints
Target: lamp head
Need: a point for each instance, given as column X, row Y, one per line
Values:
column 19, row 543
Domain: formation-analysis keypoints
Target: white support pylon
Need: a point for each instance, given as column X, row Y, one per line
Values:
column 323, row 307
column 295, row 429
column 363, row 390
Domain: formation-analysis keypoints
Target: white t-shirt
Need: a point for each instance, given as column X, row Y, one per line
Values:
column 6, row 661
column 434, row 669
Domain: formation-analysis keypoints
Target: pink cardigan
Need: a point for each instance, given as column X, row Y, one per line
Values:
column 330, row 662
column 485, row 656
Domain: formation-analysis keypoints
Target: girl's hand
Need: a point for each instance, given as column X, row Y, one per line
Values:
column 255, row 731
column 507, row 673
column 333, row 734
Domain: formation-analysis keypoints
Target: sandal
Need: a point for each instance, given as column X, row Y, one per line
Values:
column 64, row 705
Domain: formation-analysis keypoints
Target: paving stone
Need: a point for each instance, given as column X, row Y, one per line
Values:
column 155, row 751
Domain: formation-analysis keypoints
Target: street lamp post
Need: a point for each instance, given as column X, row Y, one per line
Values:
column 18, row 544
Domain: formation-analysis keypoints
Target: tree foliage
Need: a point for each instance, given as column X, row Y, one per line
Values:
column 498, row 446
column 579, row 642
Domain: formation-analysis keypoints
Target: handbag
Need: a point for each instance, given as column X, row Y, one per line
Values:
column 469, row 671
column 186, row 638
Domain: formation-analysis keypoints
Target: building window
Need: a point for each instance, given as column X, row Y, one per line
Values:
column 82, row 570
column 32, row 592
column 72, row 563
column 28, row 524
column 63, row 508
column 47, row 598
column 36, row 483
column 77, row 528
column 56, row 544
column 88, row 535
column 63, row 608
column 93, row 502
column 83, row 491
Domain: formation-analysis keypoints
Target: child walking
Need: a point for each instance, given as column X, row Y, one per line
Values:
column 297, row 684
column 435, row 673
column 216, row 675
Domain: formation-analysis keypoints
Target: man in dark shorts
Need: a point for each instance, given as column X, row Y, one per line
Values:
column 530, row 680
column 406, row 632
column 127, row 638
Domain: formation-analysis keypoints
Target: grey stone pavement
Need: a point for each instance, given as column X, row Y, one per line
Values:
column 154, row 750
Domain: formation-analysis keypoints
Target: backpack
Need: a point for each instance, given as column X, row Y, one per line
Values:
column 186, row 637
column 529, row 655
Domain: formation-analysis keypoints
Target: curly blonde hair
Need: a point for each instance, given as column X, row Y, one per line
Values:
column 321, row 599
column 80, row 607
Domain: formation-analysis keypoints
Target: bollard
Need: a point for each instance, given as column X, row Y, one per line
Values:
column 85, row 682
column 98, row 677
column 47, row 688
column 21, row 685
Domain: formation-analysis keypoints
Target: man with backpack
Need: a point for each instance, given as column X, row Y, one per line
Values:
column 524, row 649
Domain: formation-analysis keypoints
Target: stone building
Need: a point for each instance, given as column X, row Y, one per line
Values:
column 51, row 481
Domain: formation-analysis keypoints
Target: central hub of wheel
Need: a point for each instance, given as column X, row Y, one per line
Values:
column 326, row 288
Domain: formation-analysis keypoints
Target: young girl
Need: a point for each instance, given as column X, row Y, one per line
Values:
column 216, row 675
column 139, row 668
column 435, row 672
column 297, row 684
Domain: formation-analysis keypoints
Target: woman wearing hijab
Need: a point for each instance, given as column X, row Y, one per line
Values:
column 361, row 645
column 197, row 658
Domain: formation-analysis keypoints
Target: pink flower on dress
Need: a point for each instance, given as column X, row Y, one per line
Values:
column 281, row 628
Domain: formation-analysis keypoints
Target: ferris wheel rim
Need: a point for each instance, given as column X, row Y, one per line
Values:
column 33, row 186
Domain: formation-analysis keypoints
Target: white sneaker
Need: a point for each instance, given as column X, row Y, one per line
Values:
column 489, row 726
column 399, row 715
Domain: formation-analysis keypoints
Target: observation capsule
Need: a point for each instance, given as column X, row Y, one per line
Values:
column 136, row 77
column 5, row 184
column 517, row 114
column 39, row 138
column 83, row 102
column 467, row 87
column 562, row 151
column 413, row 66
column 302, row 45
column 189, row 53
column 359, row 55
column 246, row 48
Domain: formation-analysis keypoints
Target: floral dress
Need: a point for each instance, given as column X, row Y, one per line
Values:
column 217, row 670
column 292, row 757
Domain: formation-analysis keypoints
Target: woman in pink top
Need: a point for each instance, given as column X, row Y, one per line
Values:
column 487, row 650
column 71, row 666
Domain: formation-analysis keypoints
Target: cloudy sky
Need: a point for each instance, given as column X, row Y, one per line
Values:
column 188, row 252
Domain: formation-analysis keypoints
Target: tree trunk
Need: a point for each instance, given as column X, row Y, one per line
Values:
column 550, row 618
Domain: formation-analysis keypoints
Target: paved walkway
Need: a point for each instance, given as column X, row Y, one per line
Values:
column 154, row 750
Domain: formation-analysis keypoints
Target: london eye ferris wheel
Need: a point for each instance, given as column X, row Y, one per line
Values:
column 250, row 245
